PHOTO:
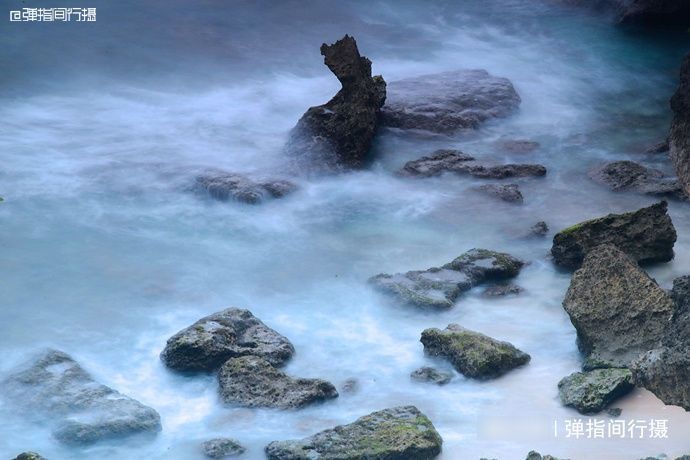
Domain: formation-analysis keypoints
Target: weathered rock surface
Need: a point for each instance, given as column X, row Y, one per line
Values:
column 681, row 296
column 618, row 311
column 472, row 354
column 337, row 135
column 431, row 375
column 222, row 448
column 502, row 290
column 647, row 235
column 234, row 332
column 448, row 102
column 633, row 177
column 399, row 433
column 55, row 387
column 590, row 392
column 438, row 288
column 250, row 381
column 510, row 192
column 224, row 186
column 29, row 456
column 679, row 136
column 660, row 147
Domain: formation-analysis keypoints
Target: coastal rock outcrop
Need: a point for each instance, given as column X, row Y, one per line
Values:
column 222, row 448
column 224, row 186
column 590, row 392
column 633, row 177
column 679, row 136
column 399, row 433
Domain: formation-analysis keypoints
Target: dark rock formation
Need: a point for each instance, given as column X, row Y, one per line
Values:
column 448, row 102
column 590, row 392
column 225, row 186
column 661, row 147
column 502, row 290
column 633, row 177
column 679, row 137
column 539, row 229
column 681, row 296
column 222, row 448
column 399, row 433
column 208, row 343
column 338, row 134
column 647, row 235
column 251, row 381
column 616, row 308
column 509, row 193
column 439, row 287
column 29, row 456
column 55, row 387
column 431, row 375
column 472, row 354
column 350, row 386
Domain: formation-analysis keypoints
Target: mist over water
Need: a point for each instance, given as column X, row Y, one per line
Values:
column 106, row 253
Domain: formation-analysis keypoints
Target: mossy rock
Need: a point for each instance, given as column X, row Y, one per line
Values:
column 590, row 392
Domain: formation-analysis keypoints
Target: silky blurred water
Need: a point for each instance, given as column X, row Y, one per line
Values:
column 106, row 253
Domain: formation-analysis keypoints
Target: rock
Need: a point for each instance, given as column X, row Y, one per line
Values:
column 647, row 235
column 337, row 135
column 510, row 193
column 472, row 354
column 507, row 171
column 534, row 455
column 29, row 456
column 614, row 411
column 517, row 145
column 590, row 392
column 631, row 176
column 679, row 137
column 438, row 288
column 222, row 448
column 431, row 375
column 681, row 295
column 539, row 229
column 208, row 343
column 661, row 147
column 616, row 308
column 448, row 102
column 225, row 186
column 350, row 386
column 55, row 387
column 399, row 433
column 502, row 290
column 665, row 371
column 250, row 381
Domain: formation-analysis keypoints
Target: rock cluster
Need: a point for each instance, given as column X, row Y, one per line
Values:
column 225, row 186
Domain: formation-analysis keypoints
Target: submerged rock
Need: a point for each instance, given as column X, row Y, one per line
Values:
column 431, row 375
column 337, row 135
column 438, row 288
column 208, row 343
column 250, row 381
column 590, row 392
column 448, row 102
column 517, row 145
column 502, row 290
column 224, row 186
column 471, row 353
column 510, row 192
column 679, row 137
column 534, row 455
column 631, row 176
column 539, row 229
column 399, row 433
column 647, row 235
column 618, row 311
column 55, row 387
column 222, row 448
column 29, row 456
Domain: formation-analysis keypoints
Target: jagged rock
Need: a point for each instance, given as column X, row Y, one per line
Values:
column 337, row 135
column 250, row 381
column 399, row 433
column 518, row 145
column 29, row 456
column 679, row 137
column 616, row 308
column 502, row 290
column 647, row 235
column 208, row 343
column 55, row 387
column 681, row 295
column 590, row 392
column 510, row 192
column 472, row 354
column 225, row 186
column 448, row 102
column 539, row 229
column 631, row 176
column 431, row 375
column 438, row 288
column 222, row 448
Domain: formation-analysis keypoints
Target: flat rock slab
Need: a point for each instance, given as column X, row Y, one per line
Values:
column 55, row 387
column 624, row 176
column 618, row 311
column 448, row 102
column 431, row 375
column 225, row 186
column 399, row 433
column 647, row 235
column 251, row 381
column 439, row 287
column 592, row 391
column 234, row 332
column 222, row 448
column 471, row 353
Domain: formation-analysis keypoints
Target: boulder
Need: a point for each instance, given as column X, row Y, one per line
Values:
column 224, row 186
column 472, row 354
column 55, row 387
column 431, row 375
column 448, row 102
column 222, row 448
column 234, row 332
column 618, row 311
column 539, row 229
column 679, row 136
column 590, row 392
column 399, row 433
column 647, row 235
column 29, row 456
column 250, row 381
column 510, row 192
column 633, row 177
column 337, row 135
column 438, row 288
